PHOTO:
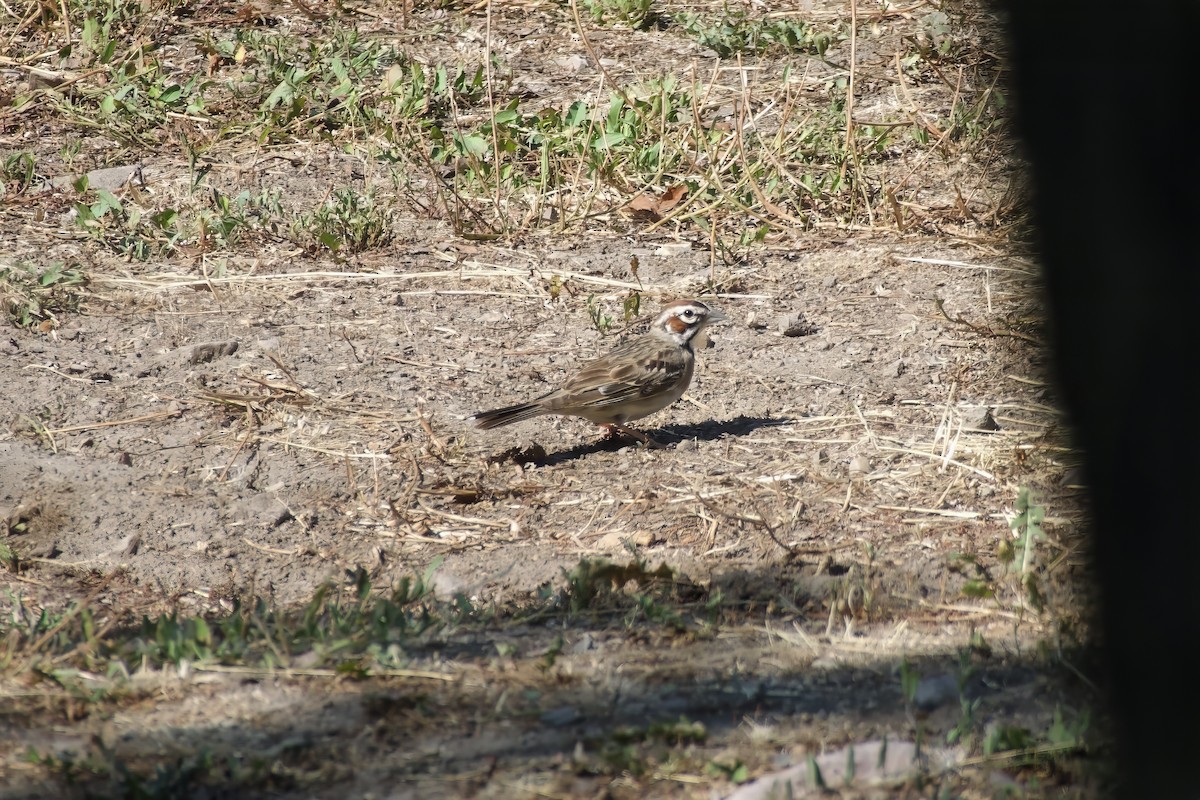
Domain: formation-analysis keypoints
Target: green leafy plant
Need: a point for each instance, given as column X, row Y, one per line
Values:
column 125, row 227
column 30, row 297
column 736, row 772
column 18, row 172
column 601, row 321
column 910, row 679
column 169, row 778
column 1019, row 551
column 735, row 31
column 348, row 222
column 226, row 219
column 624, row 13
column 593, row 583
column 414, row 90
column 632, row 305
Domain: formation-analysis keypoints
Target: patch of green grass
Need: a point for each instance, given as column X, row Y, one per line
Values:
column 636, row 750
column 224, row 220
column 29, row 296
column 210, row 219
column 734, row 32
column 413, row 90
column 276, row 86
column 974, row 120
column 457, row 143
column 101, row 773
column 353, row 631
column 622, row 138
column 979, row 733
column 621, row 13
column 311, row 85
column 122, row 40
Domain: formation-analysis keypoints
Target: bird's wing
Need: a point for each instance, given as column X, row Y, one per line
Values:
column 638, row 368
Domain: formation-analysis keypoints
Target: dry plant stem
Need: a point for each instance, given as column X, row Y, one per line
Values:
column 131, row 421
column 980, row 329
column 487, row 66
column 66, row 20
column 758, row 520
column 456, row 214
column 596, row 58
column 585, row 211
column 264, row 549
column 295, row 383
column 769, row 209
column 438, row 445
column 850, row 84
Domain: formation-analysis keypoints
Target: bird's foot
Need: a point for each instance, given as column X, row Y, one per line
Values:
column 612, row 430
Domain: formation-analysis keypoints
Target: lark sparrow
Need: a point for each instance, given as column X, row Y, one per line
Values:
column 640, row 376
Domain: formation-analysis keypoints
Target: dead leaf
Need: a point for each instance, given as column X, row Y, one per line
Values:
column 646, row 206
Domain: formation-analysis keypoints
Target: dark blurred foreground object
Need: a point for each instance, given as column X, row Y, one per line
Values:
column 1107, row 97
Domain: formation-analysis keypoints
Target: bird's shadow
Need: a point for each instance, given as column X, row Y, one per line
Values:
column 668, row 435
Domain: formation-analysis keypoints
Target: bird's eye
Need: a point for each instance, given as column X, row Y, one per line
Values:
column 688, row 314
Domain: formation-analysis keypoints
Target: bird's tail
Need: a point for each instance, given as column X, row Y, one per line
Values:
column 507, row 416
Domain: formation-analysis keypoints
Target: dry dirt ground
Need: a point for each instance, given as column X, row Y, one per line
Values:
column 833, row 505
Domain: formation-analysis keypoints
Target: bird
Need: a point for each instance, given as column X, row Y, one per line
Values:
column 638, row 377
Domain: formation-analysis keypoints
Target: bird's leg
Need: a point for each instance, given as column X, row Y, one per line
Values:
column 641, row 437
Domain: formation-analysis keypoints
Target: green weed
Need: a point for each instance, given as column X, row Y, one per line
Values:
column 18, row 172
column 636, row 592
column 99, row 765
column 348, row 222
column 323, row 84
column 632, row 306
column 736, row 772
column 601, row 321
column 354, row 631
column 734, row 31
column 125, row 227
column 622, row 13
column 224, row 220
column 412, row 90
column 1018, row 553
column 30, row 297
column 638, row 749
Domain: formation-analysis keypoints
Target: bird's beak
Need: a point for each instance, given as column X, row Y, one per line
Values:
column 715, row 315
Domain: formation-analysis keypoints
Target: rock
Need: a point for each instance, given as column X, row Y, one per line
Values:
column 980, row 419
column 874, row 763
column 935, row 691
column 795, row 324
column 673, row 249
column 204, row 353
column 110, row 178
